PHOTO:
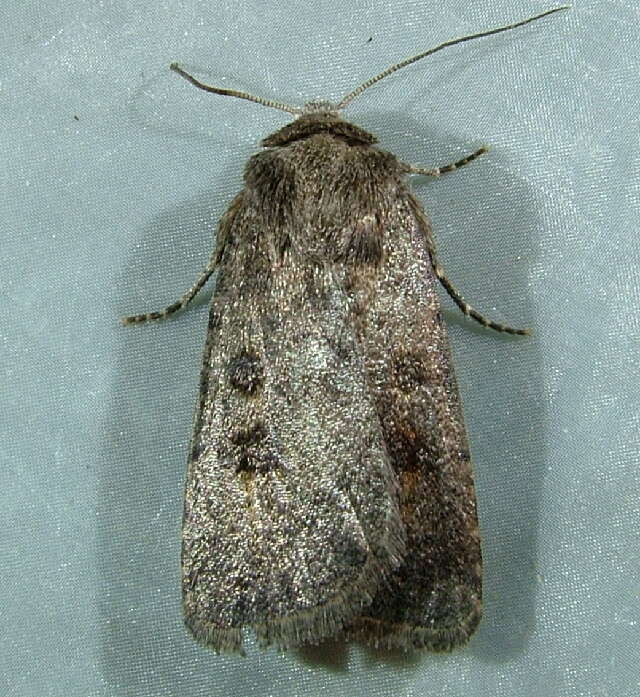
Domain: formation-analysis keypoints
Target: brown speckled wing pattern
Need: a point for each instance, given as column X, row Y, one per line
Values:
column 329, row 490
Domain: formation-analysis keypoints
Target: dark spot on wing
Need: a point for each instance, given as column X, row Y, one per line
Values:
column 409, row 370
column 249, row 436
column 254, row 460
column 255, row 453
column 245, row 372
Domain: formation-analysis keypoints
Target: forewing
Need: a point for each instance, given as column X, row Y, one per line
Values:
column 435, row 596
column 291, row 519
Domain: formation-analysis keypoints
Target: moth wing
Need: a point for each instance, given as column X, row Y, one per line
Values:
column 435, row 596
column 291, row 519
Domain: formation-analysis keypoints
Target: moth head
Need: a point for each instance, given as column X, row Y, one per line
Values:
column 319, row 116
column 320, row 106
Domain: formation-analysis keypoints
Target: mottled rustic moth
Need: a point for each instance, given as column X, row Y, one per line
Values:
column 329, row 488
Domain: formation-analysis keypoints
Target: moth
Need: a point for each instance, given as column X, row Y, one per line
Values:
column 329, row 489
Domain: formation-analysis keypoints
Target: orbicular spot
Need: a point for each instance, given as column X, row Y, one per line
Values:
column 409, row 370
column 245, row 372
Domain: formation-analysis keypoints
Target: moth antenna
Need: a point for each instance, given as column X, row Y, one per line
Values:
column 365, row 85
column 234, row 93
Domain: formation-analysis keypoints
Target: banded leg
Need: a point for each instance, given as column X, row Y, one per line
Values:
column 466, row 308
column 179, row 304
column 449, row 168
column 449, row 287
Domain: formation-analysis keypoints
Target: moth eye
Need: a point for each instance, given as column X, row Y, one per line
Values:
column 245, row 373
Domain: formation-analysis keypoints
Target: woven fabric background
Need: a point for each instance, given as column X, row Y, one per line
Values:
column 114, row 173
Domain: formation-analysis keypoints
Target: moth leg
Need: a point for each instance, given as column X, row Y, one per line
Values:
column 464, row 306
column 179, row 304
column 454, row 294
column 449, row 168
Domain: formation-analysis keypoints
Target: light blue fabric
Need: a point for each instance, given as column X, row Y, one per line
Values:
column 113, row 212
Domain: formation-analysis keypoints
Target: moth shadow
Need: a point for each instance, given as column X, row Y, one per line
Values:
column 331, row 655
column 142, row 463
column 334, row 656
column 393, row 657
